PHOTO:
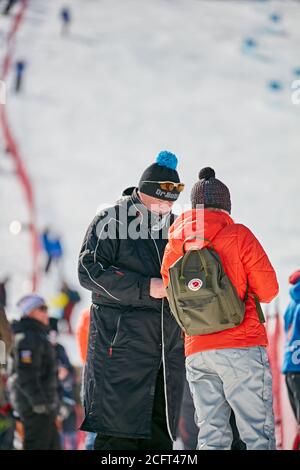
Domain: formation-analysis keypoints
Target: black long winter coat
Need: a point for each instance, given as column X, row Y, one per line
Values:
column 131, row 334
column 34, row 370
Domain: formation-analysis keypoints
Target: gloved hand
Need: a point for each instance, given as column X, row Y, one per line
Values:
column 40, row 409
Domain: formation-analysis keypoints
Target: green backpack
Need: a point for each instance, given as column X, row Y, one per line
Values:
column 202, row 298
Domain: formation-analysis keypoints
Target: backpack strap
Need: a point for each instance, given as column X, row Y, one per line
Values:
column 259, row 310
column 200, row 254
column 194, row 237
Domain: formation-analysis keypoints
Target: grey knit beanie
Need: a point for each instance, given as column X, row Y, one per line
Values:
column 210, row 191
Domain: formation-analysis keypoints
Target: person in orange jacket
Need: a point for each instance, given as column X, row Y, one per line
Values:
column 228, row 370
column 82, row 333
column 82, row 336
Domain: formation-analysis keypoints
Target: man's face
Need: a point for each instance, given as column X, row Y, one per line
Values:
column 158, row 206
column 40, row 314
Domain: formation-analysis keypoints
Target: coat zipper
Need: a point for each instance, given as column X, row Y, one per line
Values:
column 163, row 347
column 114, row 338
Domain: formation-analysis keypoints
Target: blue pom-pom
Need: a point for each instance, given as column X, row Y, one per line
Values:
column 167, row 159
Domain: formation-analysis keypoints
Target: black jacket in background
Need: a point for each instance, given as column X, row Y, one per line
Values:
column 2, row 295
column 34, row 380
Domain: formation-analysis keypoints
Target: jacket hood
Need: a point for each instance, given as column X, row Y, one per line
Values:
column 295, row 292
column 202, row 223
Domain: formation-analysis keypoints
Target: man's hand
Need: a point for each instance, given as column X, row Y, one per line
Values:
column 157, row 290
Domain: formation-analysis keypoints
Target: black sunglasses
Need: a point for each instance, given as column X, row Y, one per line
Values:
column 43, row 308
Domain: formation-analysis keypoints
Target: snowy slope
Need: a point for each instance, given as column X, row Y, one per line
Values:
column 136, row 77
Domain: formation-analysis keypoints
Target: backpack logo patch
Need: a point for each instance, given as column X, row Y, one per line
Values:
column 195, row 284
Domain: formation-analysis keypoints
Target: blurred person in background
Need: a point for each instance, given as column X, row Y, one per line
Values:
column 34, row 383
column 73, row 299
column 5, row 333
column 291, row 364
column 20, row 67
column 3, row 291
column 7, row 422
column 66, row 19
column 6, row 419
column 67, row 419
column 9, row 5
column 82, row 333
column 62, row 305
column 52, row 246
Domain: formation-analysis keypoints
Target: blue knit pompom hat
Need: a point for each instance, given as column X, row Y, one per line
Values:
column 164, row 169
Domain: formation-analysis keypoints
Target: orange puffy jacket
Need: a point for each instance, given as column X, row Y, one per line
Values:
column 243, row 259
column 82, row 333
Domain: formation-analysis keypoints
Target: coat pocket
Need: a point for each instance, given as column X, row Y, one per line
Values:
column 108, row 324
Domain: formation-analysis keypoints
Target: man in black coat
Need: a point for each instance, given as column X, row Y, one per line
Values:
column 34, row 383
column 135, row 366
